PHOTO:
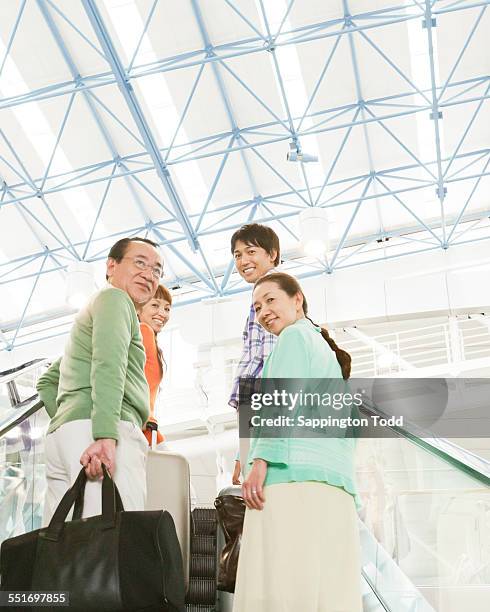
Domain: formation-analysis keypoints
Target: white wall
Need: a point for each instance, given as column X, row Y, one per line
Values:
column 443, row 283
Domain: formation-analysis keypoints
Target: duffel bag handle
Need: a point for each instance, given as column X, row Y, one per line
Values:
column 111, row 502
column 78, row 510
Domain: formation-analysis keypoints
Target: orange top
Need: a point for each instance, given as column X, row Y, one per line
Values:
column 153, row 372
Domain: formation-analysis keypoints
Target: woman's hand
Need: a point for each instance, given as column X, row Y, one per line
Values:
column 235, row 479
column 252, row 488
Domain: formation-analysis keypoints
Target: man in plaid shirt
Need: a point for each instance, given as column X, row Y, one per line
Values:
column 256, row 251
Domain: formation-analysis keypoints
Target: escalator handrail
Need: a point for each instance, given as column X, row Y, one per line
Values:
column 405, row 587
column 376, row 593
column 8, row 375
column 464, row 460
column 20, row 413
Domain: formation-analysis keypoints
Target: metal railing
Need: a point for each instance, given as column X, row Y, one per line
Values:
column 447, row 343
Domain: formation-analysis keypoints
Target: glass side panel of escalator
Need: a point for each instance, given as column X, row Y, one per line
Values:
column 426, row 520
column 22, row 476
column 22, row 472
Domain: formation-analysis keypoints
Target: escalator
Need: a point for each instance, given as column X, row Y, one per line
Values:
column 425, row 524
column 426, row 521
column 23, row 422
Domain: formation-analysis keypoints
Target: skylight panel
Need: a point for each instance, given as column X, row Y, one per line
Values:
column 128, row 25
column 33, row 122
column 293, row 82
column 420, row 67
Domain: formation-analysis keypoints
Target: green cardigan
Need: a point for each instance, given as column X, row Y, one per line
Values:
column 301, row 352
column 102, row 373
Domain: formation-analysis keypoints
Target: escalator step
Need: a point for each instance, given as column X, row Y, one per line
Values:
column 203, row 566
column 205, row 527
column 203, row 544
column 201, row 591
column 198, row 608
column 204, row 514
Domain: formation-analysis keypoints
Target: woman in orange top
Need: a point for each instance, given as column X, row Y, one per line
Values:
column 153, row 316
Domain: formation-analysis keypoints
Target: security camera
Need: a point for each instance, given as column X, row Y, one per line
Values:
column 304, row 157
column 292, row 154
column 296, row 154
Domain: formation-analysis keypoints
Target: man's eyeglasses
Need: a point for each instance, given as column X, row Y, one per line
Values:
column 157, row 271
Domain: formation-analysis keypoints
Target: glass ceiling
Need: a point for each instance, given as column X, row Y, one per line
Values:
column 173, row 120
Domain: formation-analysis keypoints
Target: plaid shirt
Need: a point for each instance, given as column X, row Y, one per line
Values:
column 257, row 344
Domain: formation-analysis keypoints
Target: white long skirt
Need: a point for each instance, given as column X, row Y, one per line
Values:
column 301, row 553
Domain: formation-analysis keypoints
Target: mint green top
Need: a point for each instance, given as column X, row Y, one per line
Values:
column 302, row 353
column 101, row 375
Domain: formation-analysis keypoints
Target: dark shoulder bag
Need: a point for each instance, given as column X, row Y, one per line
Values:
column 111, row 562
column 231, row 512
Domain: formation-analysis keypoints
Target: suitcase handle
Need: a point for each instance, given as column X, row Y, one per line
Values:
column 111, row 503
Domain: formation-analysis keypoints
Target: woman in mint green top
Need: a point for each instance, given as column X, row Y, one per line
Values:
column 300, row 545
column 302, row 353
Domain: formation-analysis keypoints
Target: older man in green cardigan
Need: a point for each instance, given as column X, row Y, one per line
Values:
column 96, row 394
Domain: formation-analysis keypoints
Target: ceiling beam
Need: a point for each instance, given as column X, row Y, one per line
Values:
column 303, row 34
column 139, row 118
column 201, row 144
column 435, row 116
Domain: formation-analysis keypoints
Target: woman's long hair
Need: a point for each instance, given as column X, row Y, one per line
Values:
column 290, row 285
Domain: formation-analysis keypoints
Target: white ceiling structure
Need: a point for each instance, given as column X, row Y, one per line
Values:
column 172, row 120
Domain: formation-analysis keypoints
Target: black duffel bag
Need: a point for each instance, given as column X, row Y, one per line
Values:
column 111, row 562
